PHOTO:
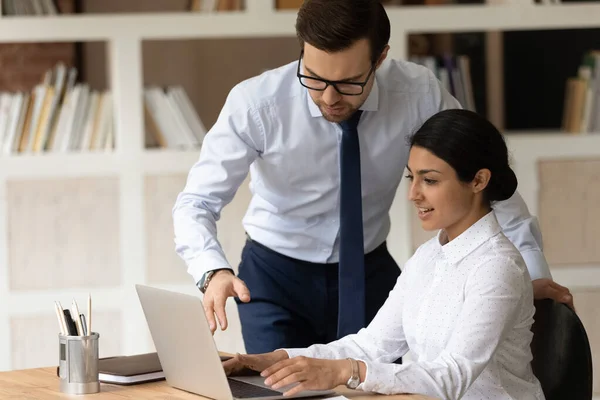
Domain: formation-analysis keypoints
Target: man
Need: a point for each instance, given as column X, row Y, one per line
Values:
column 325, row 141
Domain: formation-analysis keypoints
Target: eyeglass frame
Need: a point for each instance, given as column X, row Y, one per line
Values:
column 334, row 83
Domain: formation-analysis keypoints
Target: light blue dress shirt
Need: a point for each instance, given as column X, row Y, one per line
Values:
column 269, row 126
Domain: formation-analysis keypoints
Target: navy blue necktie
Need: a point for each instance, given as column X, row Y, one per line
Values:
column 351, row 305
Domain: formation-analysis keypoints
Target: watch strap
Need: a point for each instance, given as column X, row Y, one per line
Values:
column 205, row 280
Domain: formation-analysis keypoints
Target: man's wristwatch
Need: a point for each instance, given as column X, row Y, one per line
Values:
column 354, row 380
column 205, row 280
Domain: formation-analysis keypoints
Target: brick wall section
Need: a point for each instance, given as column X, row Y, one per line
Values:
column 22, row 65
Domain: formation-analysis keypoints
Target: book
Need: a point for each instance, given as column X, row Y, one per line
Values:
column 127, row 370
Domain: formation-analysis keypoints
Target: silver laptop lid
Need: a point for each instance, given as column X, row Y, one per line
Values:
column 184, row 343
column 187, row 351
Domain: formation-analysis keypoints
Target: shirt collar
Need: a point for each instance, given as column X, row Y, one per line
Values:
column 463, row 245
column 371, row 104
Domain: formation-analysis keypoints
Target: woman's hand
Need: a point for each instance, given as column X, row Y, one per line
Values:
column 239, row 364
column 310, row 373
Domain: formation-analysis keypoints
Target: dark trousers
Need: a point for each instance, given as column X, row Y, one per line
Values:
column 294, row 303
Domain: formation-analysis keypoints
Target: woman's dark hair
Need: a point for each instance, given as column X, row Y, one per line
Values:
column 335, row 25
column 469, row 142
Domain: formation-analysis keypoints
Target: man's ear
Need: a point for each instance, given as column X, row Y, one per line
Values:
column 481, row 180
column 383, row 56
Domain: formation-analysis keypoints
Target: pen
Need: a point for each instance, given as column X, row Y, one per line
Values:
column 71, row 327
column 89, row 317
column 83, row 324
column 75, row 314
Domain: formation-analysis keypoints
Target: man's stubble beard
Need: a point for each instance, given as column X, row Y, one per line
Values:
column 337, row 118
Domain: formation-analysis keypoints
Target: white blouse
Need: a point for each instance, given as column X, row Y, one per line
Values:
column 464, row 309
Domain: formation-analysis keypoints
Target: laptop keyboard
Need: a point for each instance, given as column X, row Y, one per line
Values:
column 245, row 390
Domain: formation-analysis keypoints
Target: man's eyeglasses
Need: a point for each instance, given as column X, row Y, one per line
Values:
column 343, row 87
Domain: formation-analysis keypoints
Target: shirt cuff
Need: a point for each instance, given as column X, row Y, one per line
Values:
column 206, row 261
column 294, row 352
column 379, row 378
column 536, row 264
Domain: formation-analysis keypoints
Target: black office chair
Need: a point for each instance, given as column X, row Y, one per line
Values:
column 562, row 359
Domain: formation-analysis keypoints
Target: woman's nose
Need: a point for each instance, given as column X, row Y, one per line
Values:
column 413, row 191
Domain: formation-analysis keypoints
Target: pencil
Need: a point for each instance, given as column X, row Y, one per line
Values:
column 61, row 318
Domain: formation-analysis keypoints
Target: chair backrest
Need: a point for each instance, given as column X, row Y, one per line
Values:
column 562, row 359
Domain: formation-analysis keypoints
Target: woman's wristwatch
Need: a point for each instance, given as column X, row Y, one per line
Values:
column 354, row 380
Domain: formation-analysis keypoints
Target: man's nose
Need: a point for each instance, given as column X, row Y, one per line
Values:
column 331, row 96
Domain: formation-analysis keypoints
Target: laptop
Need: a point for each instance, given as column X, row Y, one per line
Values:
column 188, row 354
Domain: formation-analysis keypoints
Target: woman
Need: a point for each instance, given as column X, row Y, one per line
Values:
column 463, row 304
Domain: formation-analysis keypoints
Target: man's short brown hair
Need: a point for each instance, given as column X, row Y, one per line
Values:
column 335, row 25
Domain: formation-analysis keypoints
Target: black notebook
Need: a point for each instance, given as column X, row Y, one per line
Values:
column 127, row 370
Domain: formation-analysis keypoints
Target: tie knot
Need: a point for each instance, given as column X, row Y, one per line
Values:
column 352, row 122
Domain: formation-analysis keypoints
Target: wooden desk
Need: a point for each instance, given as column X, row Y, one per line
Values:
column 42, row 384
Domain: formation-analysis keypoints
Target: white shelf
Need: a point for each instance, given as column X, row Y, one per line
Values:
column 60, row 165
column 89, row 27
column 577, row 276
column 547, row 144
column 37, row 301
column 494, row 17
column 158, row 161
column 526, row 145
column 94, row 27
column 104, row 298
column 73, row 165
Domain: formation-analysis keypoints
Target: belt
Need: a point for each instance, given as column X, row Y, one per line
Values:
column 381, row 247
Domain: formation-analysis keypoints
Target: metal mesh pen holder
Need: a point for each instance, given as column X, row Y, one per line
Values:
column 78, row 364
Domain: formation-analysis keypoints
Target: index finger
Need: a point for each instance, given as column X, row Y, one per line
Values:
column 558, row 286
column 241, row 290
column 228, row 366
column 276, row 367
column 557, row 292
column 560, row 294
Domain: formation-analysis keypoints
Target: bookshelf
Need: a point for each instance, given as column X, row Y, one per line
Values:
column 136, row 168
column 259, row 20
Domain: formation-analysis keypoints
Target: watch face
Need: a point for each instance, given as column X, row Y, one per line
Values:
column 353, row 383
column 205, row 279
